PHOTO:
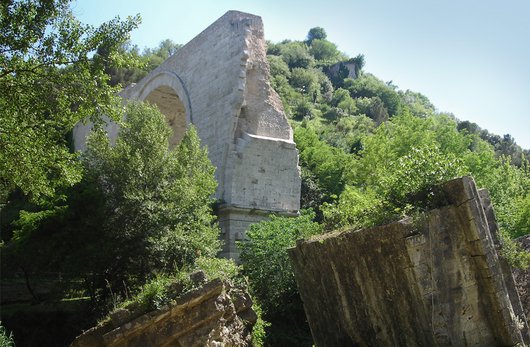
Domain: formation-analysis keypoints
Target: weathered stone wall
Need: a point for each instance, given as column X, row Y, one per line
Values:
column 437, row 281
column 213, row 315
column 219, row 81
column 334, row 70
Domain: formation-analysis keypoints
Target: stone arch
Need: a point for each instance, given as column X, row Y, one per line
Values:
column 167, row 91
column 223, row 73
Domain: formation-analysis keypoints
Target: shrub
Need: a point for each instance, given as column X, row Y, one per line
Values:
column 296, row 54
column 266, row 262
column 157, row 201
column 6, row 340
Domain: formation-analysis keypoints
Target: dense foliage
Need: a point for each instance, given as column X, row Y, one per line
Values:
column 140, row 210
column 157, row 202
column 371, row 153
column 50, row 79
column 366, row 146
column 265, row 259
column 271, row 276
column 144, row 62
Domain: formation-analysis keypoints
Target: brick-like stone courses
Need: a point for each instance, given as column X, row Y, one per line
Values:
column 213, row 315
column 436, row 281
column 221, row 79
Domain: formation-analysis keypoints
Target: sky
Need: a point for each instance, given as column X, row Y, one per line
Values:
column 469, row 57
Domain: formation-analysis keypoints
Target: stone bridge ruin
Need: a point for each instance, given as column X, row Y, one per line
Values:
column 219, row 81
column 436, row 280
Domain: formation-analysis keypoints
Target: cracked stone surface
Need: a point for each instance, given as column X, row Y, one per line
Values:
column 215, row 314
column 434, row 281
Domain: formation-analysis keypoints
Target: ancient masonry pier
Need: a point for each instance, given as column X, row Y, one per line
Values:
column 437, row 280
column 219, row 81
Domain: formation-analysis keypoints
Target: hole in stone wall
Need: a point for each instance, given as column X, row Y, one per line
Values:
column 171, row 106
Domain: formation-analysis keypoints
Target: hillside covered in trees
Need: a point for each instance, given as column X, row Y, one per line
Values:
column 366, row 149
column 118, row 223
column 360, row 137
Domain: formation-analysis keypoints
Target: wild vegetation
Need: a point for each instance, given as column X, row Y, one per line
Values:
column 50, row 80
column 119, row 223
column 366, row 148
column 113, row 223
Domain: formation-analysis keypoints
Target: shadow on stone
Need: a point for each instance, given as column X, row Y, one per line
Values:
column 434, row 281
column 216, row 314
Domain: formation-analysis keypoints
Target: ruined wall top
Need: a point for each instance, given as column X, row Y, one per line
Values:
column 224, row 66
column 434, row 281
column 213, row 314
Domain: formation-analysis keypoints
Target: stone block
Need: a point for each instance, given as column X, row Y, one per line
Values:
column 427, row 282
column 215, row 314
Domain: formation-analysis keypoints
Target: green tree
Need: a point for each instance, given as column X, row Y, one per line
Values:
column 420, row 169
column 408, row 154
column 340, row 95
column 278, row 66
column 50, row 79
column 296, row 54
column 522, row 216
column 303, row 108
column 311, row 195
column 157, row 202
column 417, row 104
column 393, row 196
column 266, row 263
column 369, row 86
column 327, row 163
column 397, row 137
column 140, row 210
column 326, row 87
column 348, row 132
column 265, row 259
column 316, row 33
column 273, row 48
column 356, row 208
column 306, row 82
column 509, row 187
column 343, row 100
column 140, row 63
column 155, row 57
column 135, row 70
column 323, row 50
column 507, row 147
column 372, row 107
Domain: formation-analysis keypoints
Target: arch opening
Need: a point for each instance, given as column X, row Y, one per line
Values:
column 169, row 103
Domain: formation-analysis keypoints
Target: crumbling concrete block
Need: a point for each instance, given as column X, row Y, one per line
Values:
column 215, row 314
column 435, row 281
